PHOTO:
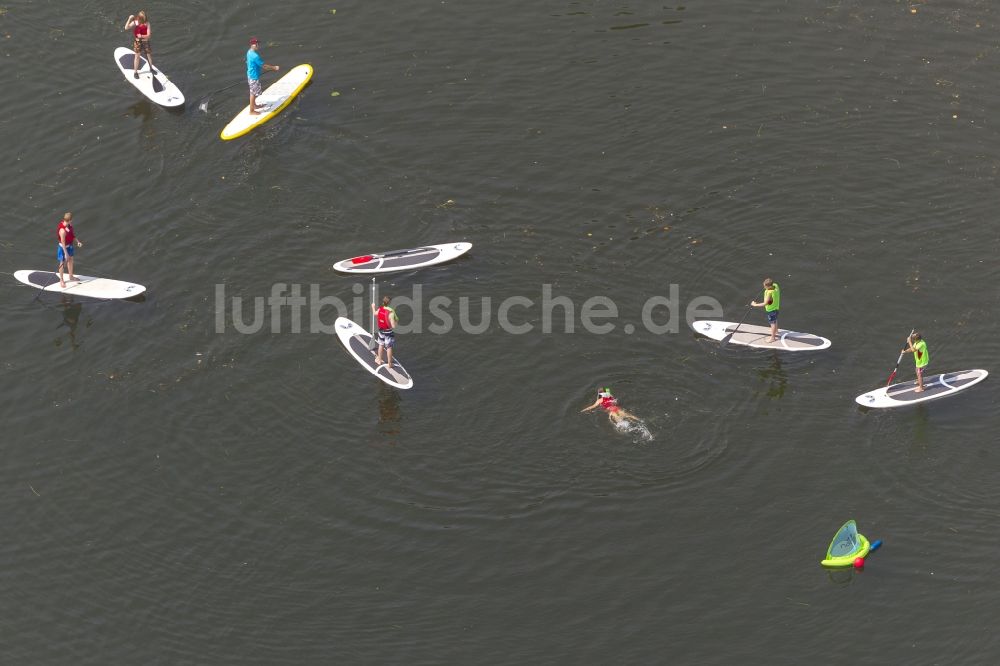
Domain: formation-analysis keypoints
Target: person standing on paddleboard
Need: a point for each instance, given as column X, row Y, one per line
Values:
column 64, row 251
column 255, row 65
column 141, row 32
column 918, row 347
column 771, row 303
column 605, row 400
column 386, row 320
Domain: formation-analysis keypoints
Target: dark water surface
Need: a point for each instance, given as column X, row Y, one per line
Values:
column 173, row 494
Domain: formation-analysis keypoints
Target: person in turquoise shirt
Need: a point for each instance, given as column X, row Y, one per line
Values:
column 918, row 347
column 255, row 65
column 771, row 305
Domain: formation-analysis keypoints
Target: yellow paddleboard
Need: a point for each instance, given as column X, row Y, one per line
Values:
column 276, row 97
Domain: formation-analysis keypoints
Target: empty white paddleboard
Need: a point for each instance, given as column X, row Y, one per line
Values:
column 356, row 339
column 935, row 386
column 83, row 286
column 156, row 87
column 275, row 97
column 402, row 260
column 750, row 335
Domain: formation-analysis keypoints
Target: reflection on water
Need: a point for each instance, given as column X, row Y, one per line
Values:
column 921, row 419
column 142, row 109
column 389, row 413
column 775, row 378
column 841, row 577
column 71, row 312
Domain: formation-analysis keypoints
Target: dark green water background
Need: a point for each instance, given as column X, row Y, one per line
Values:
column 172, row 495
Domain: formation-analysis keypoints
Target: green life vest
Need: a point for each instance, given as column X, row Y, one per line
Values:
column 775, row 298
column 920, row 354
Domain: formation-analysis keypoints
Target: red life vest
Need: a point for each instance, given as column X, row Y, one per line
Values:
column 140, row 30
column 70, row 236
column 608, row 402
column 384, row 321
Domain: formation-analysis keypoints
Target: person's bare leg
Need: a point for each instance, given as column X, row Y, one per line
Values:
column 622, row 414
column 389, row 357
column 62, row 282
column 69, row 266
column 378, row 355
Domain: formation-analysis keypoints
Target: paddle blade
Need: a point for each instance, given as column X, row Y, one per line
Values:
column 157, row 86
column 362, row 260
column 891, row 377
column 724, row 341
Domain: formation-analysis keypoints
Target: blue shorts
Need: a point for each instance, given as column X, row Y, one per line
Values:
column 59, row 252
column 772, row 316
column 386, row 339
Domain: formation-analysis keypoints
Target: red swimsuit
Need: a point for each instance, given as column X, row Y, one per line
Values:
column 138, row 43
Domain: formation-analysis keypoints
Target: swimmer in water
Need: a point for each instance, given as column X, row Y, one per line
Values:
column 606, row 400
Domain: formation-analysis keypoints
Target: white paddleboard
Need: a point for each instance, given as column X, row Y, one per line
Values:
column 356, row 339
column 83, row 286
column 750, row 335
column 156, row 86
column 275, row 97
column 935, row 386
column 402, row 260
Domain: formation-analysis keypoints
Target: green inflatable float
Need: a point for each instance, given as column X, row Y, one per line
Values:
column 847, row 545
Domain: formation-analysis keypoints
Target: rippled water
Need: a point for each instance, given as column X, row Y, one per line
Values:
column 178, row 495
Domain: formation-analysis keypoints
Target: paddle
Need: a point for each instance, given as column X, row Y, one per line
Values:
column 725, row 340
column 899, row 360
column 396, row 253
column 203, row 106
column 157, row 86
column 374, row 341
